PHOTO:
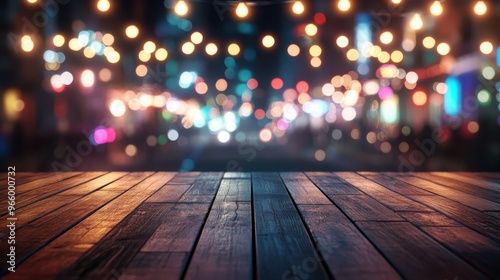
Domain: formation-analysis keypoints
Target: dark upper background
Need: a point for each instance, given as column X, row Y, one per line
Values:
column 345, row 114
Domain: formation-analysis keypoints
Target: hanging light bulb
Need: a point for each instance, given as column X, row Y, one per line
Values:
column 416, row 22
column 344, row 5
column 298, row 8
column 181, row 8
column 436, row 8
column 241, row 10
column 480, row 8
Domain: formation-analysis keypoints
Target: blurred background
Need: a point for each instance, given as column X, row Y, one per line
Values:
column 395, row 85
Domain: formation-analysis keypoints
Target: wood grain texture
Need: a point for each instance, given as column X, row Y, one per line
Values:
column 473, row 247
column 458, row 196
column 67, row 248
column 302, row 189
column 414, row 254
column 470, row 217
column 216, row 225
column 461, row 186
column 344, row 249
column 364, row 208
column 282, row 244
column 394, row 184
column 224, row 249
column 392, row 200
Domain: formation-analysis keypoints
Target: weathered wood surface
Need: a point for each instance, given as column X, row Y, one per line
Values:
column 237, row 225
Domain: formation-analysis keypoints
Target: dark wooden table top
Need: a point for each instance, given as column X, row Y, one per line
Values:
column 316, row 225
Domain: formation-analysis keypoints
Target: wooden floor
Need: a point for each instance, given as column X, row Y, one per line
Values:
column 317, row 225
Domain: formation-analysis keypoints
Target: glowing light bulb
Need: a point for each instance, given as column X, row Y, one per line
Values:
column 436, row 8
column 416, row 22
column 181, row 8
column 241, row 10
column 480, row 8
column 298, row 8
column 344, row 5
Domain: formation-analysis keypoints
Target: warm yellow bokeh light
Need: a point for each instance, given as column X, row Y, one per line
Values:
column 144, row 56
column 352, row 54
column 27, row 43
column 196, row 38
column 149, row 47
column 486, row 47
column 32, row 1
column 187, row 48
column 443, row 49
column 113, row 57
column 342, row 41
column 131, row 31
column 241, row 10
column 396, row 1
column 74, row 44
column 429, row 42
column 233, row 49
column 268, row 41
column 161, row 54
column 298, row 8
column 384, row 57
column 108, row 39
column 480, row 8
column 416, row 22
column 88, row 52
column 211, row 49
column 386, row 37
column 293, row 50
column 311, row 29
column 436, row 8
column 315, row 62
column 181, row 8
column 397, row 56
column 315, row 50
column 103, row 5
column 58, row 40
column 344, row 5
column 141, row 70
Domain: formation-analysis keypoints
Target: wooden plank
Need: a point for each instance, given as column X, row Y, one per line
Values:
column 395, row 184
column 480, row 251
column 169, row 193
column 392, row 200
column 60, row 176
column 282, row 243
column 331, row 184
column 178, row 233
column 48, row 204
column 117, row 249
column 240, row 175
column 100, row 182
column 154, row 265
column 302, row 189
column 461, row 186
column 364, row 208
column 184, row 178
column 493, row 214
column 420, row 219
column 23, row 178
column 224, row 249
column 67, row 248
column 470, row 217
column 414, row 254
column 179, row 230
column 344, row 249
column 66, row 186
column 458, row 196
column 479, row 182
